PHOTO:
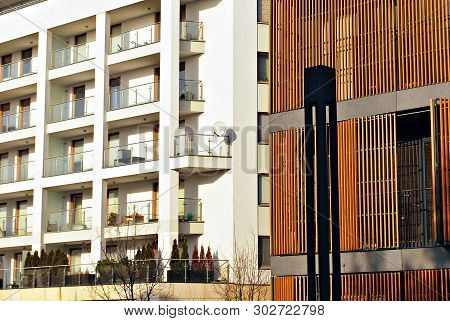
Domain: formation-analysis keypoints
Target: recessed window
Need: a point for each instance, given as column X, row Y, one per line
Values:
column 263, row 67
column 263, row 252
column 263, row 190
column 263, row 128
column 263, row 11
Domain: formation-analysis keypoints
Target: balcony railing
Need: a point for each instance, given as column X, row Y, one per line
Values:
column 190, row 210
column 68, row 164
column 202, row 145
column 191, row 90
column 112, row 272
column 191, row 31
column 132, row 213
column 135, row 38
column 416, row 218
column 16, row 172
column 131, row 154
column 17, row 225
column 19, row 69
column 72, row 55
column 70, row 220
column 133, row 96
column 72, row 109
column 21, row 120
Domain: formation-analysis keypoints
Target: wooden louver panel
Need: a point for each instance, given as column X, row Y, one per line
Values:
column 440, row 111
column 376, row 46
column 368, row 183
column 423, row 42
column 420, row 285
column 288, row 216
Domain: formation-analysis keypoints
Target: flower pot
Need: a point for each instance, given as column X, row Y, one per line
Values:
column 176, row 276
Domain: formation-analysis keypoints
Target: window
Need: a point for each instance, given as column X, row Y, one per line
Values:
column 26, row 61
column 263, row 67
column 263, row 11
column 263, row 190
column 75, row 260
column 263, row 252
column 263, row 128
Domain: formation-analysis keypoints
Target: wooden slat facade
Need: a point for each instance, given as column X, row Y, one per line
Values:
column 358, row 38
column 440, row 111
column 367, row 165
column 429, row 285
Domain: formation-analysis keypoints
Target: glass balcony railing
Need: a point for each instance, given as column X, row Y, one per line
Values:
column 17, row 225
column 68, row 164
column 72, row 55
column 19, row 69
column 21, row 120
column 112, row 271
column 191, row 90
column 202, row 145
column 132, row 213
column 16, row 172
column 133, row 96
column 135, row 38
column 131, row 154
column 190, row 210
column 70, row 220
column 191, row 31
column 72, row 109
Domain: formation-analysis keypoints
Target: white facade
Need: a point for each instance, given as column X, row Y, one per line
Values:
column 124, row 97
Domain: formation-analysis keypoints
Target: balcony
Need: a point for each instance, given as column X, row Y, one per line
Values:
column 18, row 225
column 201, row 153
column 17, row 121
column 72, row 109
column 191, row 31
column 416, row 218
column 73, row 64
column 132, row 213
column 133, row 96
column 19, row 69
column 191, row 38
column 191, row 97
column 131, row 154
column 16, row 172
column 134, row 49
column 134, row 38
column 190, row 216
column 68, row 164
column 72, row 55
column 70, row 220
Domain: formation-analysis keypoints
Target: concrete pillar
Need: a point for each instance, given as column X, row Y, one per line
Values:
column 169, row 121
column 41, row 141
column 99, row 188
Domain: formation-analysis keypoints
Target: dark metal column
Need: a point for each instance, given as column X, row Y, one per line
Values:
column 320, row 92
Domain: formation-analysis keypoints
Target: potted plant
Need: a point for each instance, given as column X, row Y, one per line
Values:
column 28, row 272
column 59, row 262
column 152, row 263
column 42, row 272
column 176, row 273
column 198, row 273
column 209, row 265
column 105, row 272
column 140, row 266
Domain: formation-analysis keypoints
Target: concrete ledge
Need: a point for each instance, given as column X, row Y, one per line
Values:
column 371, row 261
column 367, row 106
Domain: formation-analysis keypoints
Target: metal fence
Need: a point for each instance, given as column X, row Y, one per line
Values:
column 117, row 273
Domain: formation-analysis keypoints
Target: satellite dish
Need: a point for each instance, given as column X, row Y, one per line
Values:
column 219, row 128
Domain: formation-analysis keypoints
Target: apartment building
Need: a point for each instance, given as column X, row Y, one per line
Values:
column 393, row 87
column 130, row 116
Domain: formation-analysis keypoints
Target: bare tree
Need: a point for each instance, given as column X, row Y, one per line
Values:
column 247, row 282
column 132, row 271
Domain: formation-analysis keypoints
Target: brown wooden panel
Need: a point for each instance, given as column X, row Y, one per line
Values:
column 368, row 183
column 422, row 285
column 359, row 39
column 440, row 111
column 288, row 215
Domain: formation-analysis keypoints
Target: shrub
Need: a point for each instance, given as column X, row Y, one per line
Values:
column 175, row 263
column 195, row 259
